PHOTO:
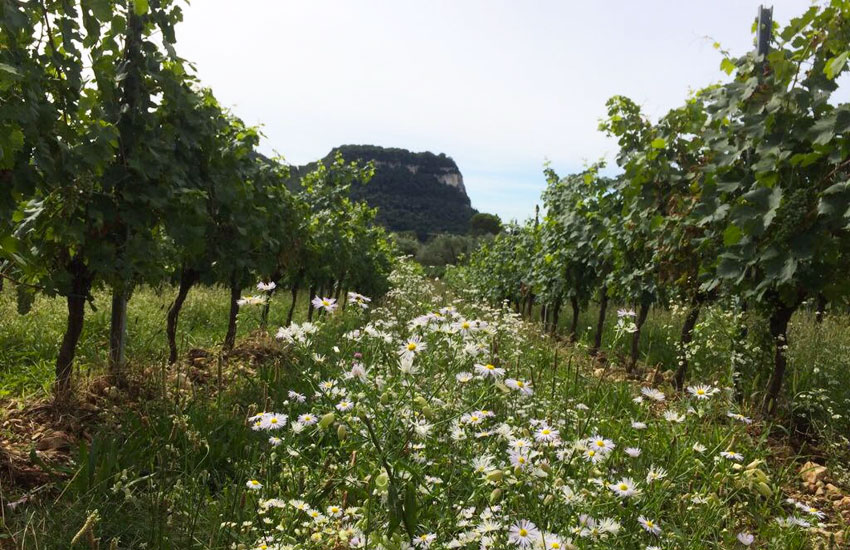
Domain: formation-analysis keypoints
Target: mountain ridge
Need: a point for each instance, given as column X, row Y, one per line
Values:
column 420, row 192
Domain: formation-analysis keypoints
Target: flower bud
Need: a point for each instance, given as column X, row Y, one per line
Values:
column 495, row 476
column 327, row 420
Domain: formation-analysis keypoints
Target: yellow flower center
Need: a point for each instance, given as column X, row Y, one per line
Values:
column 555, row 545
column 600, row 443
column 546, row 431
column 591, row 452
column 489, row 367
column 623, row 486
column 465, row 325
column 650, row 524
column 411, row 346
column 523, row 532
column 519, row 384
column 700, row 392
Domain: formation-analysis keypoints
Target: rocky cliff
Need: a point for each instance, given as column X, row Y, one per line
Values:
column 419, row 192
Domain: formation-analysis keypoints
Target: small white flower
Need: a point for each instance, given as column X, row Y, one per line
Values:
column 649, row 525
column 266, row 287
column 702, row 391
column 522, row 387
column 652, row 393
column 731, row 455
column 745, row 538
column 523, row 534
column 328, row 304
column 489, row 370
column 624, row 488
column 424, row 540
column 254, row 485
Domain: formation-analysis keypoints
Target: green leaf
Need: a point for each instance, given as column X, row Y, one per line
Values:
column 835, row 65
column 140, row 7
column 656, row 221
column 659, row 143
column 101, row 9
column 9, row 69
column 727, row 65
column 732, row 235
column 729, row 268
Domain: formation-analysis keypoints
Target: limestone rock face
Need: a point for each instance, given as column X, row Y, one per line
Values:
column 419, row 192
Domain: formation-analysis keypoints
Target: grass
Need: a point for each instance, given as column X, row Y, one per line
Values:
column 817, row 398
column 167, row 466
column 29, row 343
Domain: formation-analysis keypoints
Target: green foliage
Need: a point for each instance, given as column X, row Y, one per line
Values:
column 483, row 223
column 134, row 174
column 741, row 193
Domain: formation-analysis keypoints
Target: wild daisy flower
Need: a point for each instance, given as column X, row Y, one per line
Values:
column 274, row 421
column 745, row 538
column 328, row 304
column 471, row 418
column 483, row 464
column 649, row 525
column 652, row 393
column 624, row 488
column 600, row 444
column 299, row 505
column 463, row 327
column 359, row 299
column 251, row 301
column 254, row 485
column 673, row 416
column 523, row 534
column 702, row 391
column 639, row 425
column 546, row 434
column 655, row 474
column 308, row 419
column 344, row 405
column 633, row 452
column 412, row 347
column 266, row 287
column 519, row 385
column 731, row 455
column 810, row 510
column 740, row 417
column 489, row 370
column 463, row 377
column 552, row 541
column 593, row 455
column 424, row 540
column 295, row 396
column 520, row 458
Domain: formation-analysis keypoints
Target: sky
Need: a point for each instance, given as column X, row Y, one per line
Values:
column 499, row 86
